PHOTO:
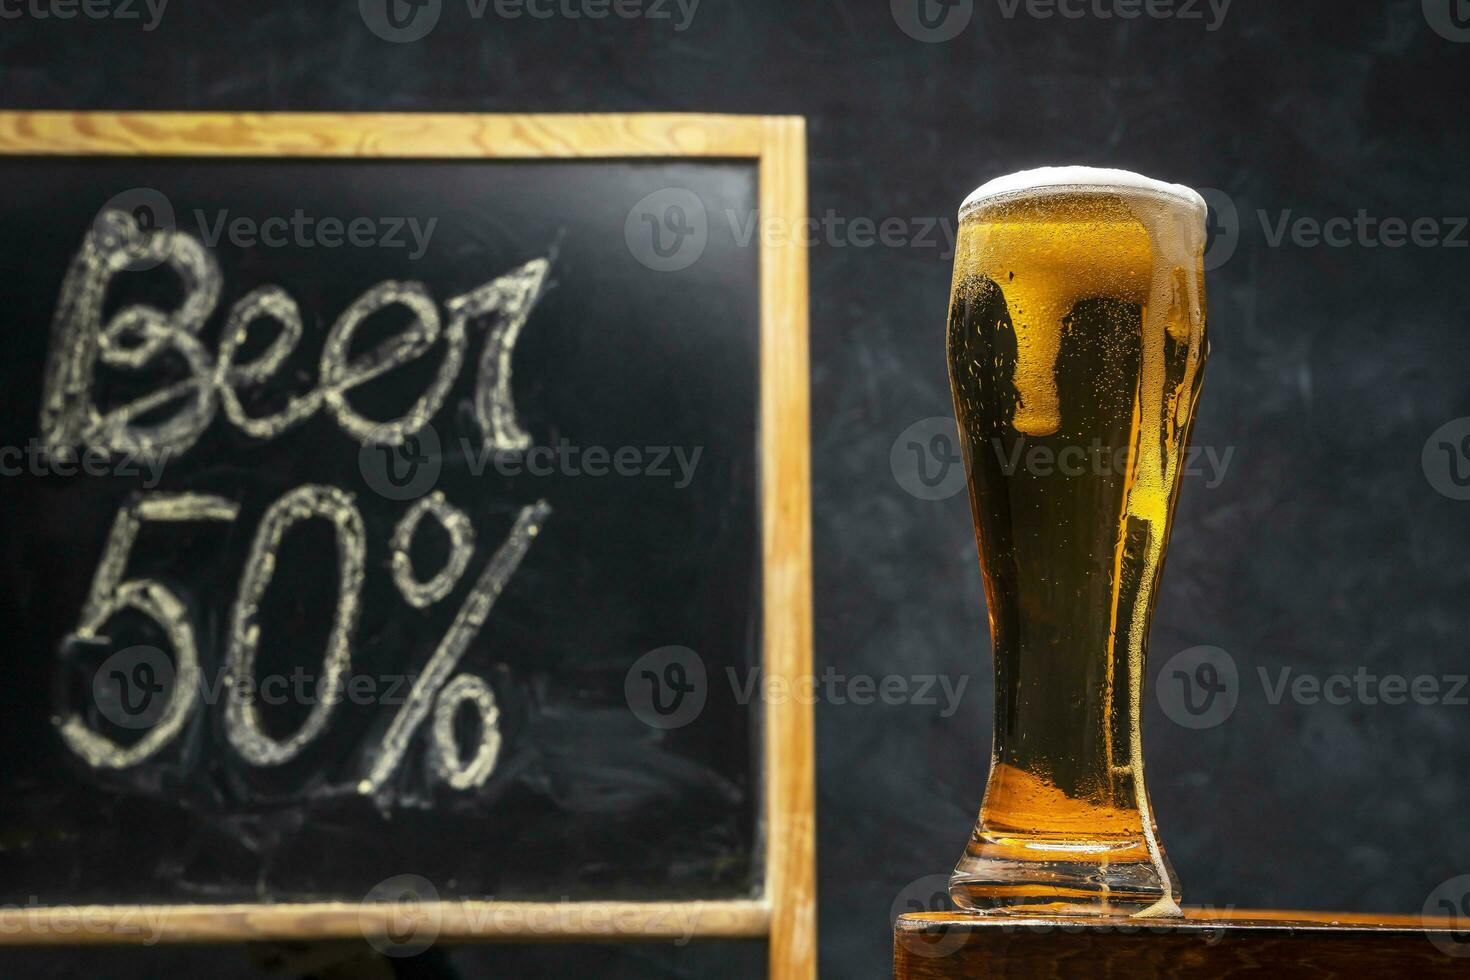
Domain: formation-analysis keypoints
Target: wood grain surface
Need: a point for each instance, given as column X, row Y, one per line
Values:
column 403, row 135
column 1205, row 944
column 790, row 750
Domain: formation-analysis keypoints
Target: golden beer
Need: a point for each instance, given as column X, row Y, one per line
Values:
column 1076, row 351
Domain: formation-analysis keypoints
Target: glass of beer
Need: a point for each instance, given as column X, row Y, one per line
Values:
column 1076, row 350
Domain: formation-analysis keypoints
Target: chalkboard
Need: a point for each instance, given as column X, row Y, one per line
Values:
column 398, row 512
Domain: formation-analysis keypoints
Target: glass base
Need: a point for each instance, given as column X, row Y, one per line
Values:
column 1065, row 879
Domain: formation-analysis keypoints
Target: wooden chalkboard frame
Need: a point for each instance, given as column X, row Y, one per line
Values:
column 785, row 910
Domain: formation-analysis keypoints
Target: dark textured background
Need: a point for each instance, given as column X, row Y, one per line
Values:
column 1324, row 549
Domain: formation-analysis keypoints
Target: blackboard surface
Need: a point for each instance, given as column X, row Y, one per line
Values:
column 586, row 800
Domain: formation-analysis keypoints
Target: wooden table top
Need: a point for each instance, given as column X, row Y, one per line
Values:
column 1193, row 918
column 1203, row 943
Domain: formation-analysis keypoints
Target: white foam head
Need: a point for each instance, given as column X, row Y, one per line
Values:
column 1061, row 179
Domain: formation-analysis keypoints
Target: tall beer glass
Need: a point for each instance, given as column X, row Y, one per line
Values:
column 1076, row 350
